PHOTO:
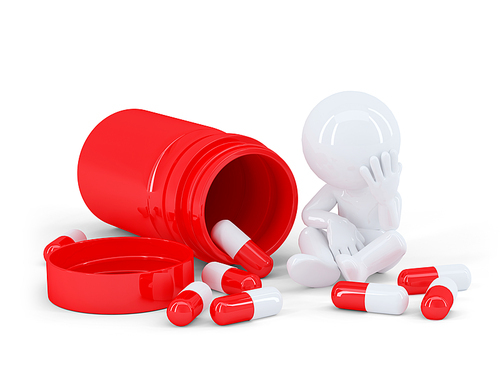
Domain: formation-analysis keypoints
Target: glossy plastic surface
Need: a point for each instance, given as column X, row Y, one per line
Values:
column 351, row 141
column 228, row 237
column 182, row 179
column 184, row 308
column 68, row 238
column 385, row 250
column 76, row 235
column 267, row 302
column 439, row 298
column 245, row 306
column 417, row 280
column 374, row 298
column 236, row 280
column 349, row 295
column 232, row 309
column 254, row 259
column 118, row 275
column 192, row 300
column 241, row 248
column 61, row 241
column 227, row 279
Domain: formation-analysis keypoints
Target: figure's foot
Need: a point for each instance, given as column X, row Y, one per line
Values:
column 352, row 269
column 310, row 271
column 396, row 250
column 388, row 268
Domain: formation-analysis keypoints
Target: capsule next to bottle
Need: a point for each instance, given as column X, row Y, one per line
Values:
column 246, row 306
column 69, row 237
column 189, row 303
column 227, row 279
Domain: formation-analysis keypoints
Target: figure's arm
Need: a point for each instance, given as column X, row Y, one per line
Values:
column 383, row 186
column 389, row 214
column 342, row 235
column 317, row 212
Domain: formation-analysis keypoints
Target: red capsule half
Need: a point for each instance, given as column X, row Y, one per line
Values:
column 417, row 280
column 189, row 303
column 349, row 295
column 439, row 298
column 227, row 279
column 254, row 259
column 236, row 244
column 246, row 306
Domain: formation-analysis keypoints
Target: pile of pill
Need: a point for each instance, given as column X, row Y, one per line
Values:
column 439, row 284
column 245, row 298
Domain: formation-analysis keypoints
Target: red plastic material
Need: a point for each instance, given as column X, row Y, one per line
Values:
column 158, row 176
column 118, row 275
column 235, row 280
column 185, row 308
column 417, row 280
column 349, row 295
column 437, row 303
column 254, row 259
column 232, row 309
column 61, row 241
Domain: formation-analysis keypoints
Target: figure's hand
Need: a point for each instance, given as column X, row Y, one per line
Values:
column 343, row 237
column 384, row 182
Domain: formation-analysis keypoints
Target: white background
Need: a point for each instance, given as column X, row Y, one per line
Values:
column 255, row 68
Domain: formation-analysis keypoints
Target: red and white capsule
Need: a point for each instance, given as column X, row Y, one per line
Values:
column 439, row 298
column 227, row 279
column 69, row 237
column 241, row 248
column 417, row 280
column 246, row 306
column 189, row 303
column 370, row 297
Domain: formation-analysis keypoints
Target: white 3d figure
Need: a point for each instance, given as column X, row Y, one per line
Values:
column 351, row 141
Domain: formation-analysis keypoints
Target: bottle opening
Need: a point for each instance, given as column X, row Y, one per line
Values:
column 256, row 193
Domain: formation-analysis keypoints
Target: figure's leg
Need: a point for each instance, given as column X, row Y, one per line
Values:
column 370, row 235
column 384, row 270
column 381, row 254
column 315, row 266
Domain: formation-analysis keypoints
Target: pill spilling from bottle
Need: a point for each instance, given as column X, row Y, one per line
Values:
column 237, row 245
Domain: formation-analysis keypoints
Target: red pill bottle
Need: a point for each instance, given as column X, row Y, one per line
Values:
column 158, row 176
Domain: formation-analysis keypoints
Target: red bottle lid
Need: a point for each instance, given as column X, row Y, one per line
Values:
column 118, row 275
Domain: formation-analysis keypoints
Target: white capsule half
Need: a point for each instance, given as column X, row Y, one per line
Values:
column 459, row 273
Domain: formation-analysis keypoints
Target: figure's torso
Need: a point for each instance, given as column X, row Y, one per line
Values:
column 359, row 207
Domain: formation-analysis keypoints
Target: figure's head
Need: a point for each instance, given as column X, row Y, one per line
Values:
column 341, row 134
